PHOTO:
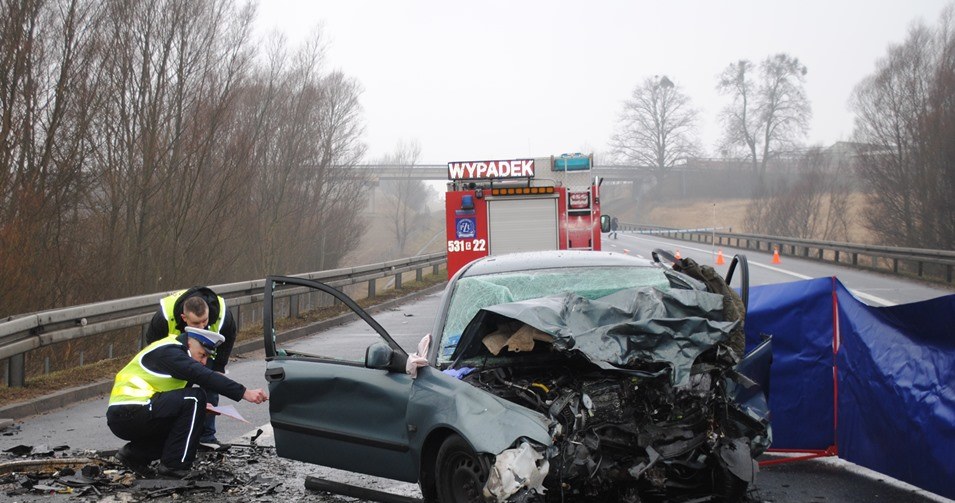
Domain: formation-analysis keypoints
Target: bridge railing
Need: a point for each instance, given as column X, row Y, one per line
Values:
column 931, row 265
column 22, row 334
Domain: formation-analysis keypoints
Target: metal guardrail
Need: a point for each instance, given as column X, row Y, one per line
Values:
column 930, row 265
column 22, row 334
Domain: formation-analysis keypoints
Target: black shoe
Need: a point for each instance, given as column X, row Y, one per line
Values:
column 165, row 471
column 132, row 462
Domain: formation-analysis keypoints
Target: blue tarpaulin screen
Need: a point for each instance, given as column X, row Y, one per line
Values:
column 897, row 390
column 896, row 378
column 799, row 317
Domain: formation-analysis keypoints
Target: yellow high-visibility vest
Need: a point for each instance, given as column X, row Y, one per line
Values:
column 136, row 384
column 168, row 305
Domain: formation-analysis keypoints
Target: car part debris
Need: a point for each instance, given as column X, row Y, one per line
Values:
column 96, row 474
column 330, row 486
column 46, row 465
column 519, row 469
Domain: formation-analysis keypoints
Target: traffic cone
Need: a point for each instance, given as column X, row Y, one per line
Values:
column 677, row 254
column 719, row 257
column 776, row 255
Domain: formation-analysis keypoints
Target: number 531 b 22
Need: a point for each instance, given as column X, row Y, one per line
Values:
column 457, row 245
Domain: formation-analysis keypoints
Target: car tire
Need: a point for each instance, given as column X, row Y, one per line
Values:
column 728, row 488
column 460, row 474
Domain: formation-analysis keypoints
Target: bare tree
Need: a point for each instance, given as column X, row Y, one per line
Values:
column 813, row 204
column 171, row 73
column 305, row 213
column 657, row 127
column 905, row 122
column 940, row 129
column 47, row 79
column 340, row 189
column 769, row 112
column 408, row 197
column 142, row 149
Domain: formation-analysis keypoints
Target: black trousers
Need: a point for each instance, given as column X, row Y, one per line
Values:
column 209, row 433
column 168, row 428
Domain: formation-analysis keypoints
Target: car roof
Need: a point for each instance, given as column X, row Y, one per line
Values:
column 528, row 261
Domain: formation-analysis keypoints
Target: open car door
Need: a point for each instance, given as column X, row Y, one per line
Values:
column 338, row 401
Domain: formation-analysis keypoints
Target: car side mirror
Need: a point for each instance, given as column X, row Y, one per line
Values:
column 381, row 356
column 604, row 223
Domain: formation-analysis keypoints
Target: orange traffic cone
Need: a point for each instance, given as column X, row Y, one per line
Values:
column 776, row 255
column 719, row 257
column 677, row 254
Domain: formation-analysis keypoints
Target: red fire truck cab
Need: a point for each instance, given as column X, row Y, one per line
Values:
column 506, row 206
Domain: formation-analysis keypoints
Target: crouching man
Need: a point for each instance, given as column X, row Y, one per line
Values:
column 155, row 406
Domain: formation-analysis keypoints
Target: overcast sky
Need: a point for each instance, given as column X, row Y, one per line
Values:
column 496, row 79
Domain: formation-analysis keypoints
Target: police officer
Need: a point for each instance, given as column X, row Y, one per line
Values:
column 155, row 407
column 182, row 309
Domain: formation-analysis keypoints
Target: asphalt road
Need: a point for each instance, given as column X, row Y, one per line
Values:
column 83, row 425
column 873, row 288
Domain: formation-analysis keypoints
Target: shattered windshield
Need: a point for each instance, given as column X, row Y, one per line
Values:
column 474, row 293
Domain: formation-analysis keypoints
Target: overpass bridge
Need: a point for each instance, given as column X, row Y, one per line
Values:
column 439, row 172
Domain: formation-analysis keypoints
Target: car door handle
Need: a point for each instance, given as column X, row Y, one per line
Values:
column 275, row 374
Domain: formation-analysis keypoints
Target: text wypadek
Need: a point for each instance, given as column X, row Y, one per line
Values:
column 518, row 168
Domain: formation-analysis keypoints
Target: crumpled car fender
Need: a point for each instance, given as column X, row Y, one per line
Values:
column 489, row 423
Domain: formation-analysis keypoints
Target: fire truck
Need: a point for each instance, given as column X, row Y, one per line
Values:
column 515, row 205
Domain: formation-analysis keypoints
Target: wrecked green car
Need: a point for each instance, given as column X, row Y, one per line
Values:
column 550, row 376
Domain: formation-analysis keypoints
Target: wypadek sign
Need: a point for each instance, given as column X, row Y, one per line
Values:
column 517, row 168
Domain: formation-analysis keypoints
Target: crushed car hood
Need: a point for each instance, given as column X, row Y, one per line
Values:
column 625, row 330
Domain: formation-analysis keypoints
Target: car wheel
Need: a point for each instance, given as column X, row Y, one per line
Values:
column 460, row 474
column 728, row 488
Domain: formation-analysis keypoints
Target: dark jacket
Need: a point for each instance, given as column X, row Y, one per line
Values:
column 159, row 327
column 174, row 359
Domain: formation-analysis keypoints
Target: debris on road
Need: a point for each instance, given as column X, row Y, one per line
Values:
column 37, row 472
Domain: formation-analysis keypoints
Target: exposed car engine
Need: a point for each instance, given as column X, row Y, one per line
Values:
column 640, row 386
column 623, row 436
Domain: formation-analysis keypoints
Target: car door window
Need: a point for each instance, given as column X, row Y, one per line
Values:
column 303, row 315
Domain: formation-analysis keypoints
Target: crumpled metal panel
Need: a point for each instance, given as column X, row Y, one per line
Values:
column 736, row 456
column 471, row 293
column 747, row 389
column 628, row 327
column 490, row 423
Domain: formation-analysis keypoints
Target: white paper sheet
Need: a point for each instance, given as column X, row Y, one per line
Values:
column 226, row 410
